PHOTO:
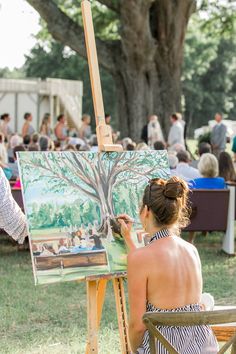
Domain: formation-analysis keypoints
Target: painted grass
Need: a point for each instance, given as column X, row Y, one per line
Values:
column 52, row 319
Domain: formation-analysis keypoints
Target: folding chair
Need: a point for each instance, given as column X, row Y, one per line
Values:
column 181, row 319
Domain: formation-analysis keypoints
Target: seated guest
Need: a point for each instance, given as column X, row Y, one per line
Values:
column 183, row 169
column 173, row 162
column 15, row 140
column 34, row 145
column 209, row 169
column 170, row 278
column 203, row 148
column 14, row 166
column 142, row 146
column 159, row 145
column 57, row 145
column 226, row 167
column 12, row 220
column 44, row 143
column 125, row 142
column 26, row 141
column 131, row 147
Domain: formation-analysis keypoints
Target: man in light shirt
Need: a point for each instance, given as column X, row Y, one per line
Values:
column 183, row 169
column 12, row 220
column 218, row 136
column 176, row 134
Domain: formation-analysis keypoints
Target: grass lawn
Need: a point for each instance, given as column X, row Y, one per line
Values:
column 52, row 319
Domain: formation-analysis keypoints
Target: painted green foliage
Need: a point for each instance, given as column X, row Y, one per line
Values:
column 64, row 190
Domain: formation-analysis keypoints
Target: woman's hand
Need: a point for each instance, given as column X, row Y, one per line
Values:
column 126, row 223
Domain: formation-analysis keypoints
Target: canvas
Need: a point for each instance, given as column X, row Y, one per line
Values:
column 71, row 201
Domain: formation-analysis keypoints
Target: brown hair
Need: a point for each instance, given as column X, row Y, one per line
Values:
column 168, row 201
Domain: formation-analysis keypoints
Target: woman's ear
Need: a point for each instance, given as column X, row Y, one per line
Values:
column 145, row 211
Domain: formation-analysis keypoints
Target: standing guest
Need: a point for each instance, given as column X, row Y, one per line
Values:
column 234, row 148
column 4, row 156
column 3, row 162
column 226, row 167
column 203, row 148
column 176, row 133
column 209, row 169
column 218, row 136
column 154, row 131
column 12, row 220
column 115, row 135
column 60, row 130
column 159, row 145
column 108, row 120
column 4, row 127
column 170, row 278
column 183, row 169
column 85, row 131
column 27, row 128
column 45, row 128
column 144, row 134
column 183, row 123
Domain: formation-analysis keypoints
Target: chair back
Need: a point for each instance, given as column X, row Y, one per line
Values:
column 153, row 320
column 209, row 210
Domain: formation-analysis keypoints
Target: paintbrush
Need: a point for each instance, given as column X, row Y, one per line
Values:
column 127, row 221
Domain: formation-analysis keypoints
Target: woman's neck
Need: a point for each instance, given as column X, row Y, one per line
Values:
column 152, row 230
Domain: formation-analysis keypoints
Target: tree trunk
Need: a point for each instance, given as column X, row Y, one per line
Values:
column 145, row 63
column 149, row 62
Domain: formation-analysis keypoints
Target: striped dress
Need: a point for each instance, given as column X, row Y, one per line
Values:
column 186, row 340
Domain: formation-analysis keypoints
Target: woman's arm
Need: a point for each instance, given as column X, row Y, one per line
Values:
column 137, row 289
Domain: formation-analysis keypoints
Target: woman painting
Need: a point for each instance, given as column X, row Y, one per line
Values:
column 166, row 274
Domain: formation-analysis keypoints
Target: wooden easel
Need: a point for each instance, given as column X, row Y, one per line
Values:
column 96, row 286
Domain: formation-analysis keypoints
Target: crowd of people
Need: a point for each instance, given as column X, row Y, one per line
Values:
column 211, row 170
column 162, row 214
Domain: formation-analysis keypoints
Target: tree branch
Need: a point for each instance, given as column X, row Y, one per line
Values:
column 112, row 5
column 68, row 32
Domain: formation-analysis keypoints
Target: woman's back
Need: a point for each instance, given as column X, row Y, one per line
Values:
column 173, row 267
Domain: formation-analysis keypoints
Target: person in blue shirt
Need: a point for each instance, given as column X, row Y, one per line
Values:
column 209, row 169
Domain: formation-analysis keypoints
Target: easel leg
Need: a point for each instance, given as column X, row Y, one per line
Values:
column 118, row 284
column 96, row 291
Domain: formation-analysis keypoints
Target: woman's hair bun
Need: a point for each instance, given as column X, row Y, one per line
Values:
column 173, row 189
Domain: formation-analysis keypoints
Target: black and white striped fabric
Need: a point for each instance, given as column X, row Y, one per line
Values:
column 160, row 234
column 186, row 340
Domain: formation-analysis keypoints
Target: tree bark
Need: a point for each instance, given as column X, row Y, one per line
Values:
column 146, row 62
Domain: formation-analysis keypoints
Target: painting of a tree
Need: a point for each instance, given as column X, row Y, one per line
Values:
column 73, row 196
column 94, row 175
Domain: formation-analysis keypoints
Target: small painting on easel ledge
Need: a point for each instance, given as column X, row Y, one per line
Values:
column 71, row 201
